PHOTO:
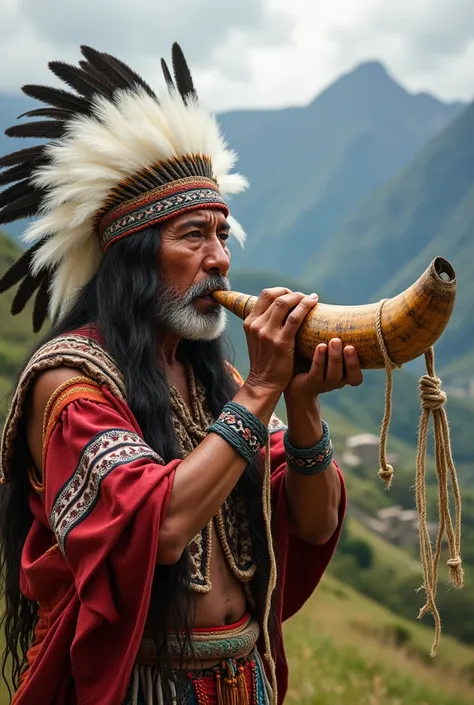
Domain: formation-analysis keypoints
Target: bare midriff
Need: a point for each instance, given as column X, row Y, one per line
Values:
column 225, row 603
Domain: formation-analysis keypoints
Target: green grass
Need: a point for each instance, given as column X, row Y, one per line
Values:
column 344, row 649
column 386, row 553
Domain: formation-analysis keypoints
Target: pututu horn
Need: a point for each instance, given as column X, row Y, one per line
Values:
column 411, row 322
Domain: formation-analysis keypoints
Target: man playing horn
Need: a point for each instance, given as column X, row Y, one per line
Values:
column 158, row 521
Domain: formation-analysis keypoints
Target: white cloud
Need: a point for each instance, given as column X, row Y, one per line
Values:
column 249, row 53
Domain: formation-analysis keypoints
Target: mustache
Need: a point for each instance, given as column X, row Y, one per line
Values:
column 207, row 286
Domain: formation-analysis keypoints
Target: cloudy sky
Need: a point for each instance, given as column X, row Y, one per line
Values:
column 249, row 53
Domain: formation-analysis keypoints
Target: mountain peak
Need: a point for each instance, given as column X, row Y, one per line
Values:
column 367, row 79
column 372, row 69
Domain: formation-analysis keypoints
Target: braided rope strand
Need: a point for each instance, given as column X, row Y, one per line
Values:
column 432, row 403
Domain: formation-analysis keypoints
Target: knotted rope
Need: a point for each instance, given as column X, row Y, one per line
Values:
column 432, row 403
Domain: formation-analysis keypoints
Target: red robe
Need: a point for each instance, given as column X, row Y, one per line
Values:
column 90, row 555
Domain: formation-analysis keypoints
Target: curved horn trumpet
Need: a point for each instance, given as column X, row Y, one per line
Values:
column 411, row 322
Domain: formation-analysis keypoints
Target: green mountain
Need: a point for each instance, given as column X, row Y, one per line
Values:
column 425, row 210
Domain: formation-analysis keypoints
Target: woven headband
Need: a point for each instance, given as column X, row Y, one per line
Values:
column 159, row 204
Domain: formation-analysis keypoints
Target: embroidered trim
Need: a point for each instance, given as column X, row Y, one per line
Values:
column 80, row 493
column 317, row 463
column 234, row 642
column 75, row 350
column 240, row 426
column 310, row 461
column 157, row 205
column 275, row 425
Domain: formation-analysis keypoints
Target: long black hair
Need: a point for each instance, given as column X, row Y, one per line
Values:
column 120, row 300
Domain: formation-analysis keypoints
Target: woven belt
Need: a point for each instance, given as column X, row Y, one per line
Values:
column 235, row 641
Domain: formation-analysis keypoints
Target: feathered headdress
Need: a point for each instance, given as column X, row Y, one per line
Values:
column 118, row 159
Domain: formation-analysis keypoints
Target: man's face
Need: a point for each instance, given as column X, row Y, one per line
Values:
column 193, row 260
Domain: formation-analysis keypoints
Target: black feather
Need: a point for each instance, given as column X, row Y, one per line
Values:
column 57, row 97
column 18, row 269
column 23, row 156
column 182, row 74
column 83, row 82
column 167, row 75
column 86, row 66
column 25, row 291
column 12, row 193
column 49, row 129
column 40, row 310
column 60, row 113
column 25, row 207
column 16, row 173
column 117, row 72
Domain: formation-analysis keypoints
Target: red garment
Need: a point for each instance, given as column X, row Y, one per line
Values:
column 94, row 599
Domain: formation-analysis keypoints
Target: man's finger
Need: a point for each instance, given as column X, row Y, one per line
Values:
column 265, row 300
column 318, row 367
column 335, row 371
column 354, row 375
column 290, row 311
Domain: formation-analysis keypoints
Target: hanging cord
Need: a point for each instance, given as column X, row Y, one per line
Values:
column 267, row 515
column 432, row 402
column 386, row 471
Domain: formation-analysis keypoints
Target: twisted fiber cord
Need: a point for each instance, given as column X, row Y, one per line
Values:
column 386, row 471
column 432, row 401
column 267, row 514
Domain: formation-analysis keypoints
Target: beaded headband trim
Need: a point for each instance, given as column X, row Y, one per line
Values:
column 157, row 205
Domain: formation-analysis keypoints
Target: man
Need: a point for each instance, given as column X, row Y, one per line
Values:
column 158, row 521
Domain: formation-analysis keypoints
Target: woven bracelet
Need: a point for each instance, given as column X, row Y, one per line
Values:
column 241, row 429
column 310, row 461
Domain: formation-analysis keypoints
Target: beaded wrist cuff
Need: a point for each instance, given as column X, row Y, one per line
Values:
column 242, row 429
column 310, row 461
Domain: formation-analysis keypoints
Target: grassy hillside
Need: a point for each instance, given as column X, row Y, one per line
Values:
column 344, row 648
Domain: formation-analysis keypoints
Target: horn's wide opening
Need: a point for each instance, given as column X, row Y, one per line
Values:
column 444, row 270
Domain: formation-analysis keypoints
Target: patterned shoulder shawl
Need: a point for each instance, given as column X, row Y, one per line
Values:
column 81, row 350
column 78, row 350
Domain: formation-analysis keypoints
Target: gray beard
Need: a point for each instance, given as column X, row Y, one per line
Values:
column 176, row 311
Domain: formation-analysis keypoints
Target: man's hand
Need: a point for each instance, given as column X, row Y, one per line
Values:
column 333, row 367
column 270, row 330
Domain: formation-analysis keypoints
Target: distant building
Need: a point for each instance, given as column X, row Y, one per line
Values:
column 362, row 450
column 397, row 525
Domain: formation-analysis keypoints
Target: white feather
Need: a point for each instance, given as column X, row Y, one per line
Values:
column 94, row 156
column 236, row 230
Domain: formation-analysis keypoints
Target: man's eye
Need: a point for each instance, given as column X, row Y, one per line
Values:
column 194, row 233
column 224, row 236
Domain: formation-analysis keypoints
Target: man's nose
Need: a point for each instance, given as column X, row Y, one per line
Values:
column 217, row 260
